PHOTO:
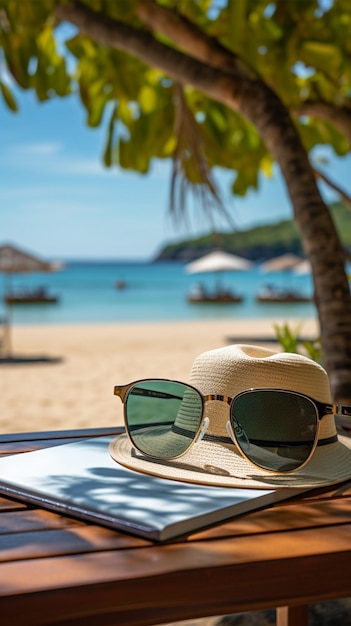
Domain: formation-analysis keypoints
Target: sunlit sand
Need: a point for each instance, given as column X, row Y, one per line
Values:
column 75, row 388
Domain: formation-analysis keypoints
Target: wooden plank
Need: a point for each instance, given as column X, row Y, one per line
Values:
column 68, row 538
column 283, row 517
column 340, row 490
column 10, row 505
column 292, row 615
column 178, row 594
column 33, row 519
column 21, row 546
column 28, row 442
column 164, row 559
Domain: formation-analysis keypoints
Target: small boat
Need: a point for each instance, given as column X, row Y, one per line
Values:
column 218, row 299
column 33, row 296
column 270, row 294
column 199, row 295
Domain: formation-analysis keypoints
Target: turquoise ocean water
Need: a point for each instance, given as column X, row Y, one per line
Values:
column 154, row 291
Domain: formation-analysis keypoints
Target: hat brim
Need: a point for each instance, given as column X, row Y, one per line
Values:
column 219, row 465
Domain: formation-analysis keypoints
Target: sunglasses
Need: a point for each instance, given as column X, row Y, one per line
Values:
column 274, row 429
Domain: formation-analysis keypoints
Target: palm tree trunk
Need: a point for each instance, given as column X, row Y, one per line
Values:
column 318, row 234
column 235, row 85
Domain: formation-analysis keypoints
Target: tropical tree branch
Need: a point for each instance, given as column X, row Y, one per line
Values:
column 340, row 117
column 191, row 39
column 218, row 85
column 343, row 195
column 204, row 48
column 141, row 43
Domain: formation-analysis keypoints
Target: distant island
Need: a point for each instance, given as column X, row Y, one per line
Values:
column 258, row 243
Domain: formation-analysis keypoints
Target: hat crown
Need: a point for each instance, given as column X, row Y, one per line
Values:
column 236, row 368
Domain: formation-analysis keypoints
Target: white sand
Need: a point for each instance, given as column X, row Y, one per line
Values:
column 78, row 391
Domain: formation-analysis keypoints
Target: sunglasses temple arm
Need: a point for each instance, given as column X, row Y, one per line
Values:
column 150, row 393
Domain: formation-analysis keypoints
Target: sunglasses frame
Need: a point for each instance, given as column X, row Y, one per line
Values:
column 122, row 391
column 322, row 409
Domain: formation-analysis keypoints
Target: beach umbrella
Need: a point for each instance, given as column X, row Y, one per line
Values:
column 281, row 263
column 13, row 260
column 218, row 261
column 285, row 263
column 304, row 267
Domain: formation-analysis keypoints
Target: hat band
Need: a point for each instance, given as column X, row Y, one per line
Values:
column 227, row 440
column 326, row 441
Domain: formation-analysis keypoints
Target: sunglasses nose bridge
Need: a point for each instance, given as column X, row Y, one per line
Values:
column 216, row 396
column 210, row 397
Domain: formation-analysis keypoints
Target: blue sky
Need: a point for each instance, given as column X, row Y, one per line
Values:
column 58, row 200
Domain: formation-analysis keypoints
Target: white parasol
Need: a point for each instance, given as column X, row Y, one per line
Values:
column 281, row 263
column 304, row 267
column 218, row 261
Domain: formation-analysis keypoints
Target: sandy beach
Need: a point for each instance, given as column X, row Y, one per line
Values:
column 73, row 388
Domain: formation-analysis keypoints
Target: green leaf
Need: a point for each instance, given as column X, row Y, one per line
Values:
column 325, row 56
column 96, row 110
column 169, row 146
column 62, row 81
column 267, row 165
column 81, row 46
column 131, row 159
column 236, row 19
column 147, row 99
column 125, row 112
column 107, row 157
column 246, row 178
column 8, row 97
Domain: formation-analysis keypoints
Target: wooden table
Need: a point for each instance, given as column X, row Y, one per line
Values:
column 59, row 570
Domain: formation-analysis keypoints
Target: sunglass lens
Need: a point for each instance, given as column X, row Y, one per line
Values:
column 163, row 417
column 276, row 430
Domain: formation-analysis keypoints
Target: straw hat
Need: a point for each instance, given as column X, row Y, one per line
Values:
column 228, row 371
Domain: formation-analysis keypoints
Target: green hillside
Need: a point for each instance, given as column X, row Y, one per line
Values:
column 256, row 244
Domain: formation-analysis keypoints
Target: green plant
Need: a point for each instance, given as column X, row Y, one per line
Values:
column 314, row 350
column 289, row 339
